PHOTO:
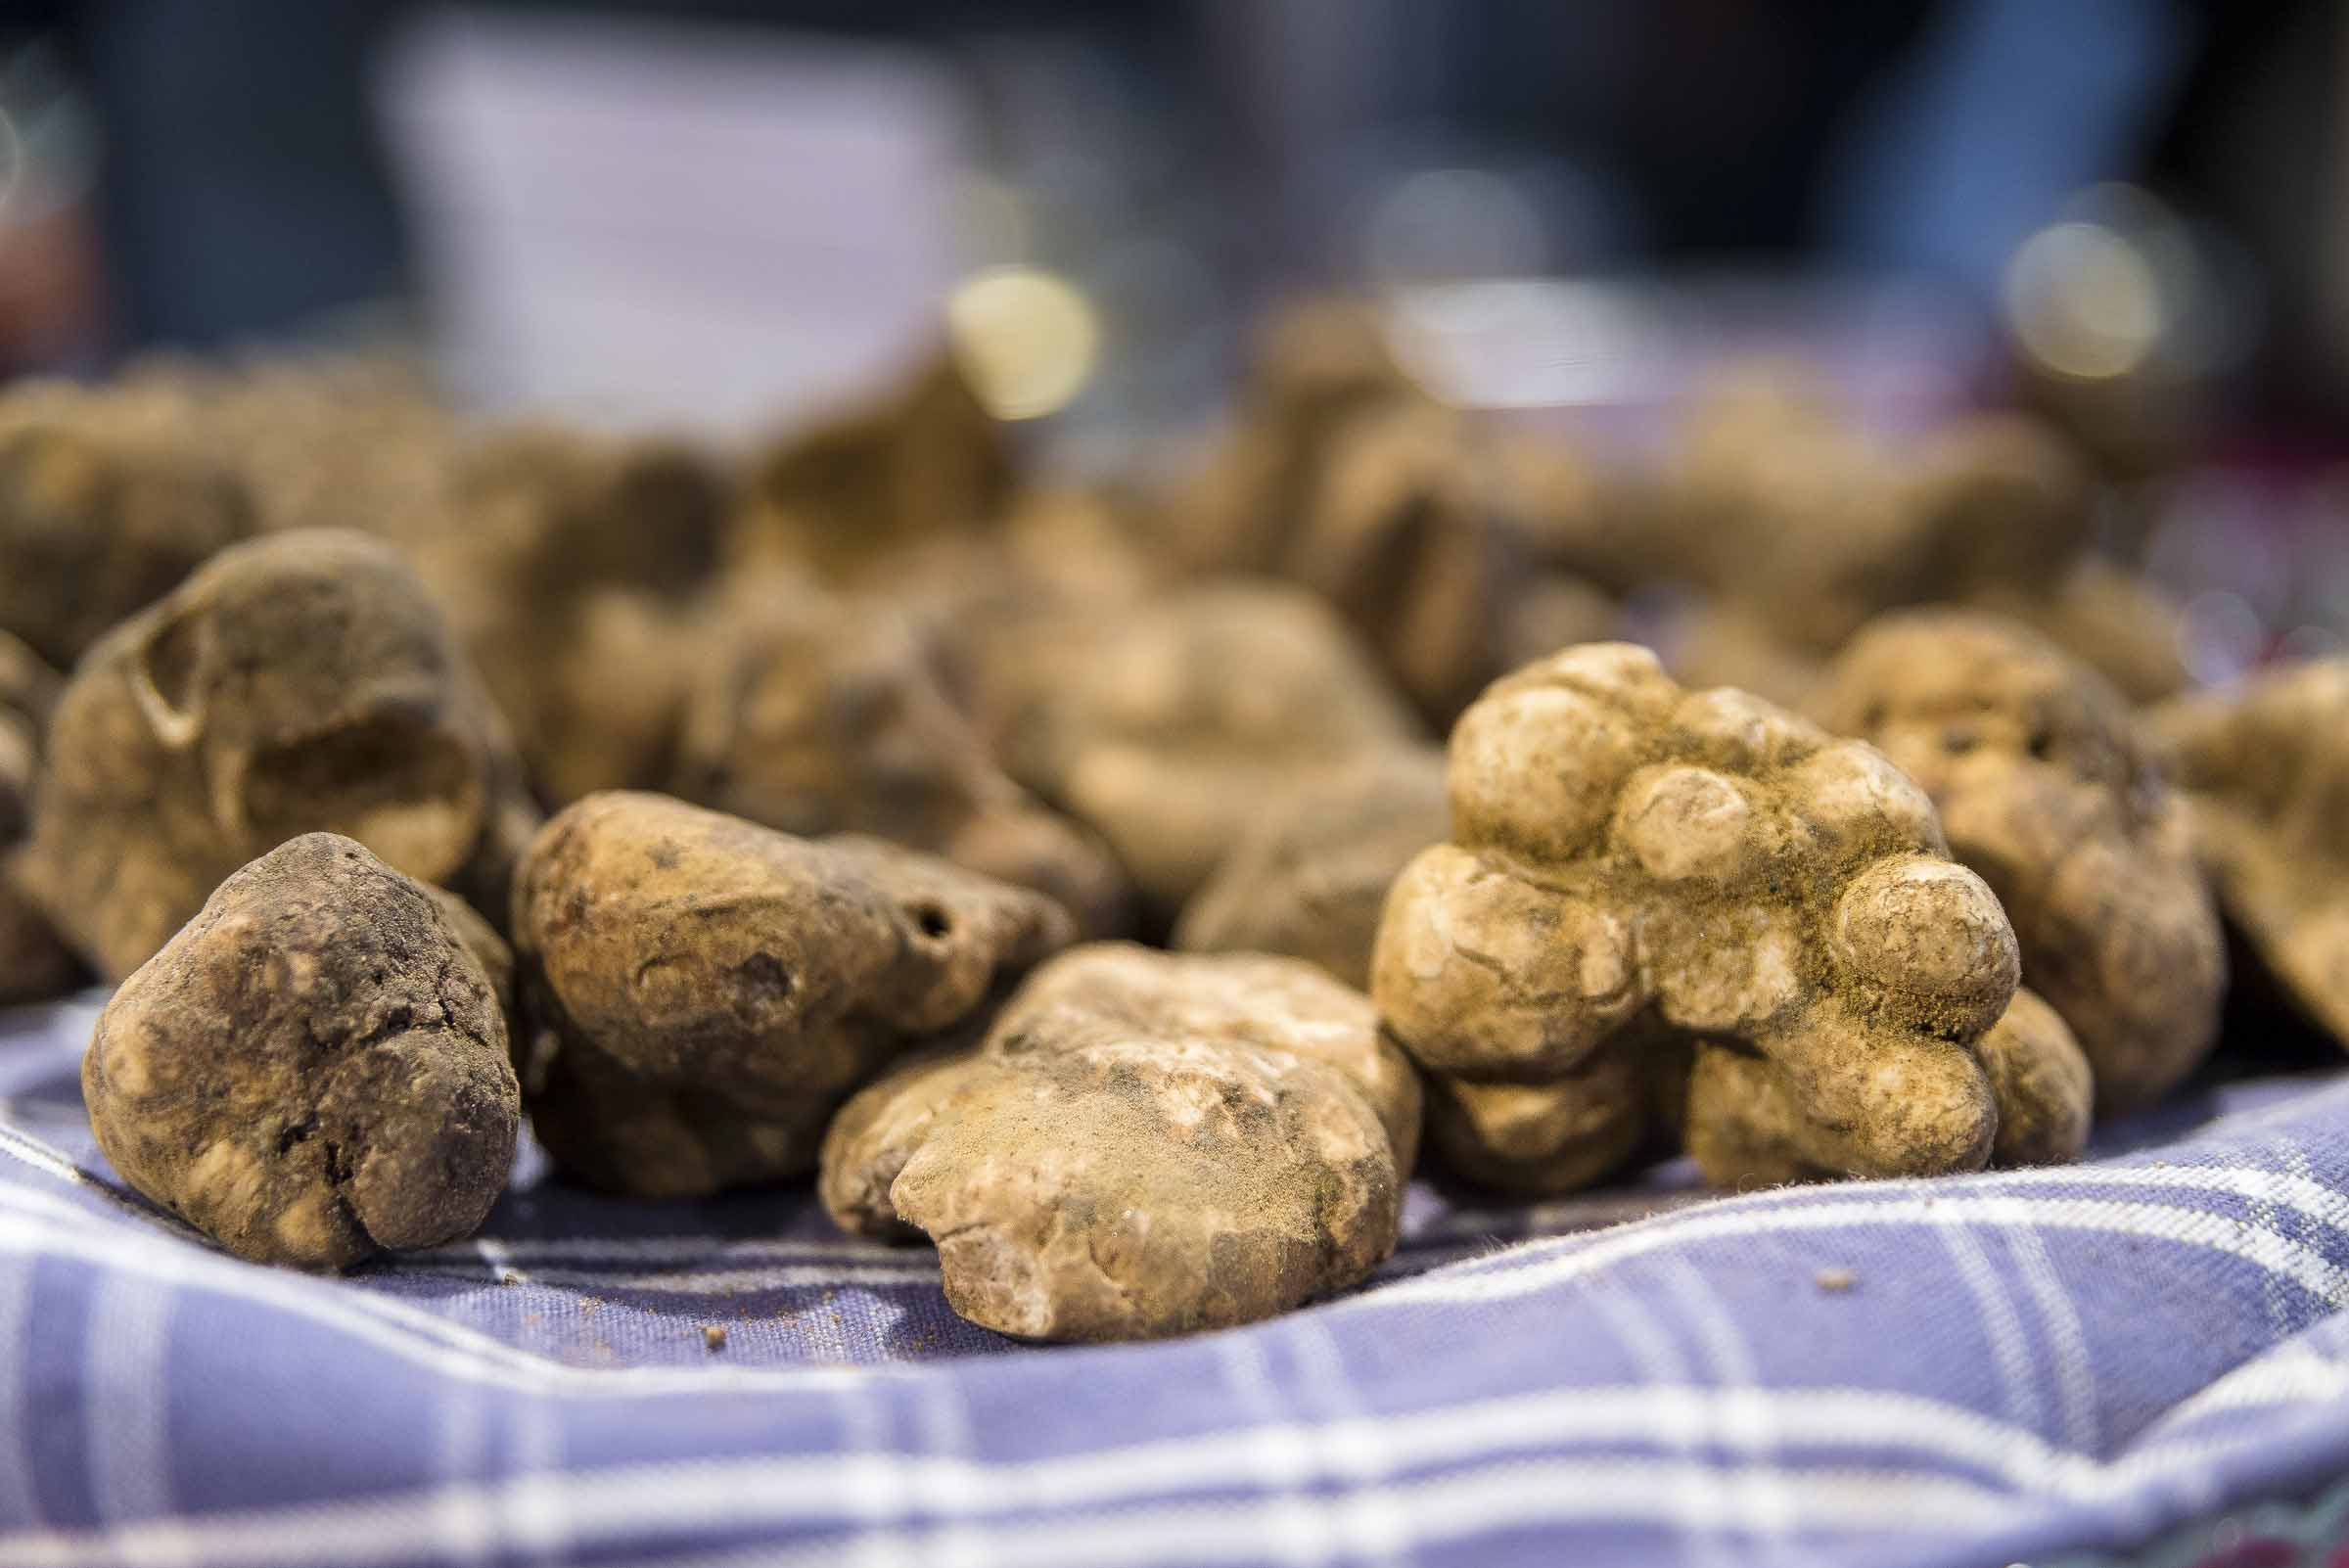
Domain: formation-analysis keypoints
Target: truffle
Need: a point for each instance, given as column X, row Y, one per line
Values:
column 1309, row 876
column 1636, row 868
column 2034, row 765
column 300, row 681
column 1144, row 1144
column 703, row 991
column 2264, row 771
column 313, row 1069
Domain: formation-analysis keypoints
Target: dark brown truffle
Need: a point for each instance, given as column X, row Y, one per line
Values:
column 820, row 714
column 302, row 681
column 34, row 963
column 314, row 1068
column 98, row 517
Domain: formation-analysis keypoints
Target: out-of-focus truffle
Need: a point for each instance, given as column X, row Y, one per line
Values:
column 300, row 681
column 1309, row 875
column 34, row 964
column 1166, row 726
column 818, row 714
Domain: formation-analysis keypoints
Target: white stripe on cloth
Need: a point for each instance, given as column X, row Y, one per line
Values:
column 2016, row 1464
column 2009, row 1352
column 126, row 1344
column 2074, row 1369
column 1634, row 1321
column 1502, row 1498
column 615, row 1506
column 1553, row 1263
column 1733, row 1370
column 429, row 1339
column 19, row 1494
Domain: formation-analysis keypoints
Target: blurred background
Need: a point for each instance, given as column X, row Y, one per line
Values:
column 2131, row 213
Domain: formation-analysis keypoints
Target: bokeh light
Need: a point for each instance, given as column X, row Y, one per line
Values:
column 1027, row 337
column 2084, row 299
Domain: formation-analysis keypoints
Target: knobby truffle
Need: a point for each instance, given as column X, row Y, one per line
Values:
column 2264, row 771
column 34, row 964
column 1309, row 877
column 302, row 681
column 1636, row 868
column 573, row 568
column 821, row 714
column 100, row 515
column 1166, row 726
column 2033, row 761
column 1144, row 1144
column 1803, row 528
column 314, row 1068
column 704, row 991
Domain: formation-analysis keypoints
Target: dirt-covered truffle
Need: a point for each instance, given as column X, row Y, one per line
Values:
column 2034, row 763
column 1166, row 726
column 848, row 495
column 1404, row 515
column 1404, row 532
column 1801, row 527
column 821, row 714
column 704, row 991
column 1746, row 1129
column 2264, row 772
column 300, row 681
column 1633, row 867
column 573, row 568
column 1313, row 365
column 100, row 516
column 34, row 964
column 314, row 1068
column 1144, row 1144
column 1309, row 875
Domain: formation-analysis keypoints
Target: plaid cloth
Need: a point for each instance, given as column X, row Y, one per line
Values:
column 2119, row 1358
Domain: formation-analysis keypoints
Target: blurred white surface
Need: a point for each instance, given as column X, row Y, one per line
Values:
column 630, row 223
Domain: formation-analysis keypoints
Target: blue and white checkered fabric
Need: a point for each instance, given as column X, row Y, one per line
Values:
column 2036, row 1366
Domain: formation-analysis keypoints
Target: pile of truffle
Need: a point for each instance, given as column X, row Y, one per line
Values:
column 834, row 809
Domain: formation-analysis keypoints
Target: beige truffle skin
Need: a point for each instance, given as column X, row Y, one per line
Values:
column 2264, row 772
column 1744, row 1129
column 571, row 566
column 1309, row 876
column 1404, row 532
column 303, row 681
column 818, row 713
column 100, row 516
column 704, row 991
column 1145, row 1144
column 1635, row 866
column 1313, row 365
column 1803, row 529
column 1167, row 726
column 1408, row 518
column 846, row 497
column 313, row 1069
column 34, row 963
column 2043, row 787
